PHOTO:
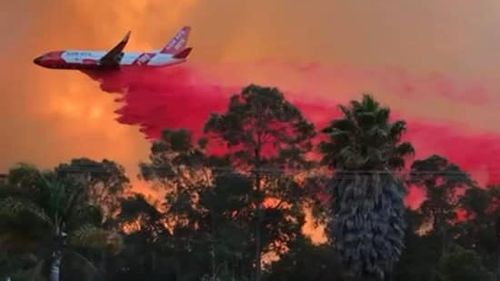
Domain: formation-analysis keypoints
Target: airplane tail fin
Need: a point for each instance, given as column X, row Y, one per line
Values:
column 178, row 42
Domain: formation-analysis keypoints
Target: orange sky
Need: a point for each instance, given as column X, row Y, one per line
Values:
column 429, row 60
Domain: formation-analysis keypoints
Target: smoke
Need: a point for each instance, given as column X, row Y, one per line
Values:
column 62, row 113
column 184, row 97
column 157, row 99
column 474, row 152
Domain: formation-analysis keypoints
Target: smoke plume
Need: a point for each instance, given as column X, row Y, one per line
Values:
column 184, row 97
column 158, row 99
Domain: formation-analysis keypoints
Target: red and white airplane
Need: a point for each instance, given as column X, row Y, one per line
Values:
column 174, row 52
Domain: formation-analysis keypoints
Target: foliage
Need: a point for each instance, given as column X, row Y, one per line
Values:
column 478, row 231
column 444, row 184
column 207, row 211
column 421, row 253
column 367, row 210
column 144, row 253
column 221, row 212
column 262, row 128
column 105, row 182
column 306, row 261
column 364, row 139
column 460, row 264
column 267, row 136
column 38, row 211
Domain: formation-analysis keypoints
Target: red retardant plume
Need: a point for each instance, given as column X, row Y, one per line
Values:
column 179, row 97
column 157, row 99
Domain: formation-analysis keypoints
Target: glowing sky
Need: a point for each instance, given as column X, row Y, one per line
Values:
column 435, row 63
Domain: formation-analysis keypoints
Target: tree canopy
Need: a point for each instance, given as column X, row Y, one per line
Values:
column 235, row 203
column 367, row 214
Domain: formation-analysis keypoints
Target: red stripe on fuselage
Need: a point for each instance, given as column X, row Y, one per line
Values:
column 143, row 59
column 65, row 65
column 55, row 60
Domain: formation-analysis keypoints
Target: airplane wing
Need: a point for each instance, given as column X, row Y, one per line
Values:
column 113, row 57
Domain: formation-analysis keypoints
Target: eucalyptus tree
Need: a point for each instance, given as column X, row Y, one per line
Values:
column 267, row 137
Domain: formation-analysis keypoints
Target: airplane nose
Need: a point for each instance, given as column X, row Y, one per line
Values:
column 38, row 60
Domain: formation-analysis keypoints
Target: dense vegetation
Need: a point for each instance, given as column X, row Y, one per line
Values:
column 235, row 203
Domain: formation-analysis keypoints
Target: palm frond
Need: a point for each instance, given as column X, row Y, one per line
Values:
column 55, row 194
column 84, row 262
column 90, row 236
column 13, row 208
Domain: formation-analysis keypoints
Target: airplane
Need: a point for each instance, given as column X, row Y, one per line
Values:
column 174, row 52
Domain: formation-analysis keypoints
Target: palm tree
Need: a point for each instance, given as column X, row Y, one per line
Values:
column 49, row 217
column 365, row 149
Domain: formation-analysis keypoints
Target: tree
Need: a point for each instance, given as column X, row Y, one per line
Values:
column 14, row 266
column 145, row 235
column 207, row 209
column 266, row 135
column 459, row 264
column 478, row 230
column 444, row 184
column 105, row 181
column 421, row 254
column 366, row 151
column 306, row 261
column 47, row 216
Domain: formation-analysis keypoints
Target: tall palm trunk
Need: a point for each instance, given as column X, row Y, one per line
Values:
column 55, row 267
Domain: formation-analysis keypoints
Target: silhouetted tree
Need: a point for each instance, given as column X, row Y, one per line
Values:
column 181, row 169
column 44, row 215
column 306, row 261
column 459, row 264
column 421, row 252
column 105, row 182
column 208, row 209
column 145, row 255
column 366, row 150
column 267, row 136
column 478, row 230
column 444, row 184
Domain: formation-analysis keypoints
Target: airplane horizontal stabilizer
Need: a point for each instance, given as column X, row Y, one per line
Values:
column 183, row 54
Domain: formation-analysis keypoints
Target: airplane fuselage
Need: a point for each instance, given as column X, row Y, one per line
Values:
column 173, row 52
column 84, row 59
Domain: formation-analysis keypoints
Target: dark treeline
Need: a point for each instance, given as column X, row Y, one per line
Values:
column 235, row 202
